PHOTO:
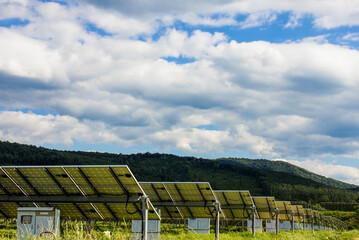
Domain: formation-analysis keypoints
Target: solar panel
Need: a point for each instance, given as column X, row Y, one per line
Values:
column 316, row 215
column 298, row 213
column 265, row 207
column 79, row 192
column 308, row 212
column 285, row 210
column 181, row 199
column 235, row 204
column 328, row 218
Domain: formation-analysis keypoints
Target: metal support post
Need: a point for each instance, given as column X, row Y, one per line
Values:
column 292, row 223
column 253, row 219
column 144, row 208
column 312, row 224
column 276, row 221
column 217, row 207
column 303, row 221
column 319, row 219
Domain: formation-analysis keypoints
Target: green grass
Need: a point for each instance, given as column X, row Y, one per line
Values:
column 76, row 230
column 300, row 235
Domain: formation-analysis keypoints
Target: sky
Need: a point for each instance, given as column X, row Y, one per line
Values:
column 274, row 79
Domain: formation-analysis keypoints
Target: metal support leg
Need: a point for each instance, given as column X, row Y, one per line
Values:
column 313, row 224
column 217, row 207
column 277, row 221
column 253, row 219
column 144, row 208
column 292, row 223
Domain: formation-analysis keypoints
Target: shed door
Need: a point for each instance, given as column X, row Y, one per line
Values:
column 26, row 225
column 44, row 223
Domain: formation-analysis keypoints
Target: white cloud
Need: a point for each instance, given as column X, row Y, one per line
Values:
column 268, row 99
column 294, row 21
column 331, row 14
column 252, row 143
column 340, row 172
column 281, row 126
column 37, row 129
column 125, row 83
column 26, row 57
column 200, row 141
column 276, row 65
column 352, row 36
column 144, row 18
column 258, row 19
column 116, row 23
column 326, row 13
column 14, row 9
column 195, row 19
column 191, row 140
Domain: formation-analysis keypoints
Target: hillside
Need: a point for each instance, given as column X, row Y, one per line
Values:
column 281, row 166
column 166, row 167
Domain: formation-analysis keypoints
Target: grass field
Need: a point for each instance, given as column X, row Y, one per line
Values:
column 72, row 230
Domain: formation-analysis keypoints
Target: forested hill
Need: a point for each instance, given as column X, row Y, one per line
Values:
column 166, row 167
column 282, row 166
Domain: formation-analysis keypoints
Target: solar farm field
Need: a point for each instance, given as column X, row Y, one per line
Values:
column 78, row 230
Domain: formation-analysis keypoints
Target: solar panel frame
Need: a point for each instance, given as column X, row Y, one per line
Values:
column 158, row 192
column 265, row 207
column 308, row 213
column 284, row 210
column 298, row 213
column 316, row 215
column 178, row 200
column 236, row 204
column 48, row 184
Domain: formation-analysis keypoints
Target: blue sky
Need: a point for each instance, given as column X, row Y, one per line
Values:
column 247, row 78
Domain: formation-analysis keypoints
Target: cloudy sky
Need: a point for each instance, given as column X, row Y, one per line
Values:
column 274, row 79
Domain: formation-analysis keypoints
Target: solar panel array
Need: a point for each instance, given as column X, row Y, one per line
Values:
column 113, row 193
column 75, row 190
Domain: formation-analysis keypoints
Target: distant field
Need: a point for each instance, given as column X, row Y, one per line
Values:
column 79, row 231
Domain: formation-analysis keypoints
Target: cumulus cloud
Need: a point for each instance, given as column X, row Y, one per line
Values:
column 201, row 140
column 14, row 9
column 117, row 23
column 351, row 36
column 326, row 13
column 294, row 21
column 38, row 129
column 128, row 83
column 129, row 87
column 26, row 57
column 195, row 19
column 258, row 19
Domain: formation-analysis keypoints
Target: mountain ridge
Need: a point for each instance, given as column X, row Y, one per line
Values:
column 167, row 167
column 283, row 166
